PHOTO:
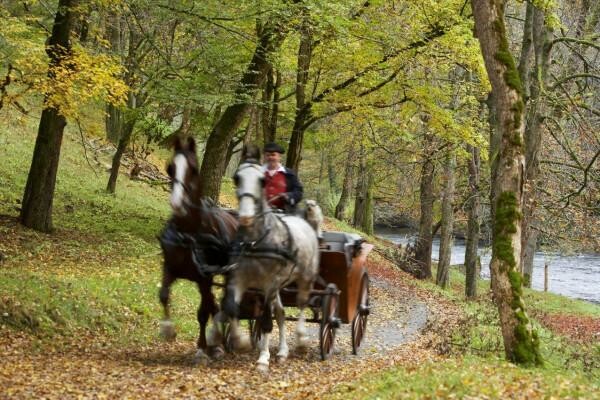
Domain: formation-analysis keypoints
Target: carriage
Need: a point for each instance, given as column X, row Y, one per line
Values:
column 340, row 295
column 269, row 251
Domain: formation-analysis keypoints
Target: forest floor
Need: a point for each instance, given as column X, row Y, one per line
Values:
column 87, row 365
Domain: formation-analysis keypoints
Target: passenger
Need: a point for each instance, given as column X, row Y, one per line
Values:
column 282, row 187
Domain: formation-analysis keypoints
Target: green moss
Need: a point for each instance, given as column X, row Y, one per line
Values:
column 512, row 79
column 526, row 346
column 507, row 216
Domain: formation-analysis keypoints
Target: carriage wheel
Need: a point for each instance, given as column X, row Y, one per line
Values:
column 329, row 321
column 359, row 323
column 255, row 332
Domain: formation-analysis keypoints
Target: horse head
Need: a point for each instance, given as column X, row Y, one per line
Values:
column 184, row 173
column 250, row 182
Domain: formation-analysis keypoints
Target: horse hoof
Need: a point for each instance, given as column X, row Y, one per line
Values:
column 301, row 346
column 167, row 331
column 217, row 353
column 262, row 368
column 281, row 359
column 200, row 358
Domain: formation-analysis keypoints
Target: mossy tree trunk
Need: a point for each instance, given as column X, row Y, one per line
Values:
column 425, row 238
column 521, row 343
column 36, row 211
column 471, row 263
column 447, row 221
column 214, row 162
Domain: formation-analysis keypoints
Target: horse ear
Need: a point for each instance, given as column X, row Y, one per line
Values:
column 178, row 144
column 191, row 144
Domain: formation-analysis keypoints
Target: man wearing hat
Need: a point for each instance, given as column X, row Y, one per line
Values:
column 282, row 187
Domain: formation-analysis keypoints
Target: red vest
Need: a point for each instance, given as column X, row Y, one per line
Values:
column 275, row 185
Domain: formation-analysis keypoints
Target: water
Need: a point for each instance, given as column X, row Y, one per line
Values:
column 576, row 276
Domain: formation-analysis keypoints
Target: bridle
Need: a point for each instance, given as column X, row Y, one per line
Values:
column 258, row 200
column 187, row 188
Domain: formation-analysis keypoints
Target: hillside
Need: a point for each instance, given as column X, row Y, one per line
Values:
column 79, row 313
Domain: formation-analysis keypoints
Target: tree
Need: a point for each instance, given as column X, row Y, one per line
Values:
column 521, row 343
column 471, row 257
column 447, row 221
column 214, row 163
column 36, row 211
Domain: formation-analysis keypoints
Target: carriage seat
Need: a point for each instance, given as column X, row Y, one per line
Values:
column 342, row 242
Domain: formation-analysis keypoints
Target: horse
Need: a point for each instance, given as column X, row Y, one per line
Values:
column 195, row 243
column 272, row 252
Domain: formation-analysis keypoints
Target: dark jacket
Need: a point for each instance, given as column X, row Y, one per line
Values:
column 294, row 189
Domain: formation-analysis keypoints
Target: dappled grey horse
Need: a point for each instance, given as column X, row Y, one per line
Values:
column 273, row 251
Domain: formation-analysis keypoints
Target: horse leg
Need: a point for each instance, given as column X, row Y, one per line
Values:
column 207, row 306
column 167, row 329
column 301, row 301
column 284, row 351
column 266, row 326
column 231, row 306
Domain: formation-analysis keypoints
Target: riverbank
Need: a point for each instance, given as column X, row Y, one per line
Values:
column 576, row 276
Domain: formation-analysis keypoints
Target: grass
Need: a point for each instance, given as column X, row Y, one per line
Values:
column 100, row 270
column 469, row 377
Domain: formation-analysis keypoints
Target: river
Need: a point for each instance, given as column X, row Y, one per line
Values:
column 576, row 276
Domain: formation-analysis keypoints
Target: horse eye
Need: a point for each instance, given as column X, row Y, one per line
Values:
column 262, row 182
column 236, row 179
column 170, row 170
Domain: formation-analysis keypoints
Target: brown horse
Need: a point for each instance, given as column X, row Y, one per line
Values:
column 195, row 241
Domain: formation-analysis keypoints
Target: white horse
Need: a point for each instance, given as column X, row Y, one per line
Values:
column 274, row 251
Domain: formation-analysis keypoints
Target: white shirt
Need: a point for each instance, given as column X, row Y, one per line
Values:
column 272, row 172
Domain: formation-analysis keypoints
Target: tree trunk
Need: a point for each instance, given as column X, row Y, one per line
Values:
column 114, row 115
column 533, row 141
column 38, row 197
column 447, row 222
column 266, row 108
column 342, row 205
column 526, row 49
column 303, row 110
column 331, row 171
column 363, row 206
column 471, row 258
column 521, row 343
column 425, row 238
column 271, row 133
column 121, row 147
column 214, row 160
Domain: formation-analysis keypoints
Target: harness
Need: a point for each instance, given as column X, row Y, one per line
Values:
column 198, row 243
column 258, row 249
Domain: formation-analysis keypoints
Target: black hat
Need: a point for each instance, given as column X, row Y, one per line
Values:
column 273, row 148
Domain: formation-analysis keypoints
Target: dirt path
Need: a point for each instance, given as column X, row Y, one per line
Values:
column 164, row 370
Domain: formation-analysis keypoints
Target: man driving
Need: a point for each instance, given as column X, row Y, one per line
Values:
column 282, row 187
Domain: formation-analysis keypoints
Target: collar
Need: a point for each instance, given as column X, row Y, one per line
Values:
column 273, row 172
